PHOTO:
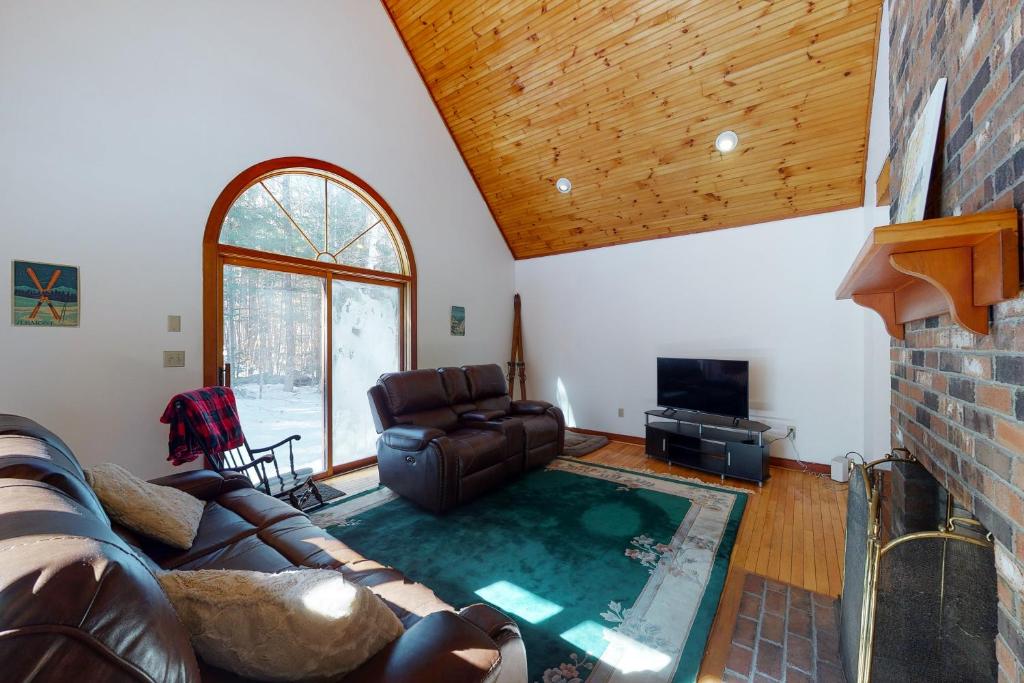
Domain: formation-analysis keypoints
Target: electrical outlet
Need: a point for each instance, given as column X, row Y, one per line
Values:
column 174, row 323
column 791, row 431
column 622, row 412
column 174, row 359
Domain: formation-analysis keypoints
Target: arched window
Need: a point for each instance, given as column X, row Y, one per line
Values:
column 309, row 295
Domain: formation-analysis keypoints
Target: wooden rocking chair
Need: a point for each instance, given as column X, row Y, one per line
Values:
column 293, row 485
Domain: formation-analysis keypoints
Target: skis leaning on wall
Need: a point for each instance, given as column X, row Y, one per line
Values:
column 517, row 363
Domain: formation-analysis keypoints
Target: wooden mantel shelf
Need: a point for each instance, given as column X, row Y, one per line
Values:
column 961, row 265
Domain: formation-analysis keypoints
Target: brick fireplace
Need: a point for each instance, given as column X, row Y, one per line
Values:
column 957, row 397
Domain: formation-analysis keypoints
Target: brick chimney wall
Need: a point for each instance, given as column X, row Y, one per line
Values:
column 957, row 397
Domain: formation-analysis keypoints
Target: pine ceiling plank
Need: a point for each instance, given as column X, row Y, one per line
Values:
column 684, row 200
column 652, row 158
column 664, row 145
column 774, row 72
column 629, row 52
column 576, row 23
column 814, row 99
column 661, row 230
column 685, row 203
column 625, row 98
column 632, row 54
column 725, row 191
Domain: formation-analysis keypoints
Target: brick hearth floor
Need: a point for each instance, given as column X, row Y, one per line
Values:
column 784, row 633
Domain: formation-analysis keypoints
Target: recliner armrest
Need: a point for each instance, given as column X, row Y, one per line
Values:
column 524, row 407
column 440, row 647
column 498, row 626
column 482, row 415
column 204, row 484
column 410, row 437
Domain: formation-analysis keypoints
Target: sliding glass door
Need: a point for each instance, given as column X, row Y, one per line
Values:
column 273, row 343
column 277, row 325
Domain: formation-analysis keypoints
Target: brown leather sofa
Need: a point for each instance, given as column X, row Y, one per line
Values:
column 452, row 434
column 79, row 602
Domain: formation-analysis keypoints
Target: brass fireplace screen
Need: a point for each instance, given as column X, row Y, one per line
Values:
column 921, row 606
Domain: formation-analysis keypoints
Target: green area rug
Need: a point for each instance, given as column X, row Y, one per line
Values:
column 611, row 574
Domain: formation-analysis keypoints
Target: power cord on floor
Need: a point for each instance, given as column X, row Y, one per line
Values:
column 827, row 478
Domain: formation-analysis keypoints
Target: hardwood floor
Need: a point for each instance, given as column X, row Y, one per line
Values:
column 793, row 529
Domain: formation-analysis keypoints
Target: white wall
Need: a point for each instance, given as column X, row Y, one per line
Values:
column 876, row 339
column 121, row 122
column 595, row 321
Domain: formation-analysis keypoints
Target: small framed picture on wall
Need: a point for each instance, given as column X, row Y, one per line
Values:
column 458, row 321
column 44, row 295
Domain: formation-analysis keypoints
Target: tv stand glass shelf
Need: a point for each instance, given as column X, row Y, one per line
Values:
column 726, row 446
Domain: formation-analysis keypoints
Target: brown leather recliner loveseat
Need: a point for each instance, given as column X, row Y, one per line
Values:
column 79, row 601
column 452, row 434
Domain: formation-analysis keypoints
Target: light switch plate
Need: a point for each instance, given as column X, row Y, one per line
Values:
column 174, row 359
column 174, row 323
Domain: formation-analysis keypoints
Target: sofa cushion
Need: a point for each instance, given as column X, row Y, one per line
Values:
column 76, row 598
column 478, row 449
column 257, row 508
column 16, row 425
column 457, row 388
column 485, row 381
column 455, row 385
column 309, row 624
column 482, row 415
column 487, row 387
column 161, row 512
column 413, row 391
column 307, row 545
column 31, row 456
column 218, row 528
column 204, row 484
column 408, row 600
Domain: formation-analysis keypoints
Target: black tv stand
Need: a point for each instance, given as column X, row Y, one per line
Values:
column 717, row 444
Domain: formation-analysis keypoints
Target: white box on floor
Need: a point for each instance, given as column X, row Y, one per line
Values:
column 841, row 468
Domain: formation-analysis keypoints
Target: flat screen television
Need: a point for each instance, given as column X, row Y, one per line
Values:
column 704, row 385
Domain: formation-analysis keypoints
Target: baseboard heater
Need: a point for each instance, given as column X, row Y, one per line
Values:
column 920, row 606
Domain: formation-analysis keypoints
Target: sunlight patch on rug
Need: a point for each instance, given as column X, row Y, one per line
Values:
column 519, row 602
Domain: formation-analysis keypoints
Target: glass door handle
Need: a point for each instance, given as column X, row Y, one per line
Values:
column 224, row 375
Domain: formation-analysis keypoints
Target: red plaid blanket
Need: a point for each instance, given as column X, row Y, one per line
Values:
column 202, row 421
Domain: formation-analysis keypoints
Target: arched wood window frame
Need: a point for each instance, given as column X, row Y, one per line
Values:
column 216, row 255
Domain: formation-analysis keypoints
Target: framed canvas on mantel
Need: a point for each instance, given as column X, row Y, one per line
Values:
column 917, row 161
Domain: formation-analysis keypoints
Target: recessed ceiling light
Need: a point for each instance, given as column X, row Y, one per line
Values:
column 726, row 141
column 564, row 185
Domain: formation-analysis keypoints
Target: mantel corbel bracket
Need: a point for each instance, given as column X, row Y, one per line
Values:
column 884, row 304
column 951, row 271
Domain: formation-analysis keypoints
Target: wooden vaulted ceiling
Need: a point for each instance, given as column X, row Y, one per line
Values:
column 625, row 98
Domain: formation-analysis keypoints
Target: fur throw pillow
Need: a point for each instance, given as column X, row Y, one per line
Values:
column 160, row 512
column 304, row 625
